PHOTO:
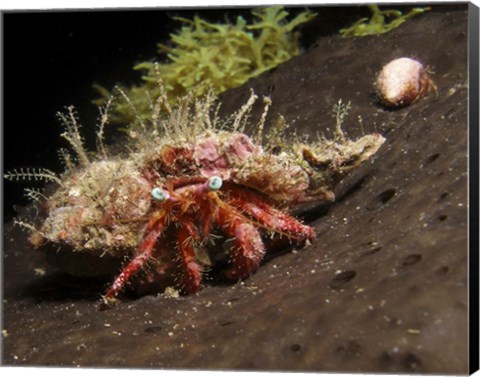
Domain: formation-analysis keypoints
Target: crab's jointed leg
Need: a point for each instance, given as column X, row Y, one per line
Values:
column 248, row 250
column 192, row 273
column 144, row 253
column 272, row 218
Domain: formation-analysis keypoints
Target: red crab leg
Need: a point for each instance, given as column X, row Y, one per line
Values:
column 144, row 253
column 248, row 250
column 269, row 216
column 192, row 273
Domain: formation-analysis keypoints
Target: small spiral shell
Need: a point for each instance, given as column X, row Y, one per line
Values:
column 402, row 82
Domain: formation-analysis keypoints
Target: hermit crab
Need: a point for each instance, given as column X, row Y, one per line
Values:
column 402, row 82
column 190, row 182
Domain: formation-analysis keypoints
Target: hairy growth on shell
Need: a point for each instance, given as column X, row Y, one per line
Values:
column 103, row 203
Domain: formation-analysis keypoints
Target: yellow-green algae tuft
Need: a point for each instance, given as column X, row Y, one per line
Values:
column 378, row 24
column 205, row 56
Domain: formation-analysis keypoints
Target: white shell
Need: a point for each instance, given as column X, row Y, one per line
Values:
column 401, row 82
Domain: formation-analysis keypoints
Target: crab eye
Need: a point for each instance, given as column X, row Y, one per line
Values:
column 159, row 194
column 215, row 183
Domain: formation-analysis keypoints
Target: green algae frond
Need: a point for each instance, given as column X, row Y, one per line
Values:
column 203, row 56
column 377, row 24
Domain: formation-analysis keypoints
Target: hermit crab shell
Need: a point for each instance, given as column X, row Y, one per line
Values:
column 402, row 82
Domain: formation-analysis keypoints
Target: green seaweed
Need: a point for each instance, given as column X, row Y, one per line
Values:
column 204, row 56
column 377, row 24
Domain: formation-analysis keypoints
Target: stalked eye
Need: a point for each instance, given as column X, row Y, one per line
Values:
column 159, row 194
column 215, row 183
